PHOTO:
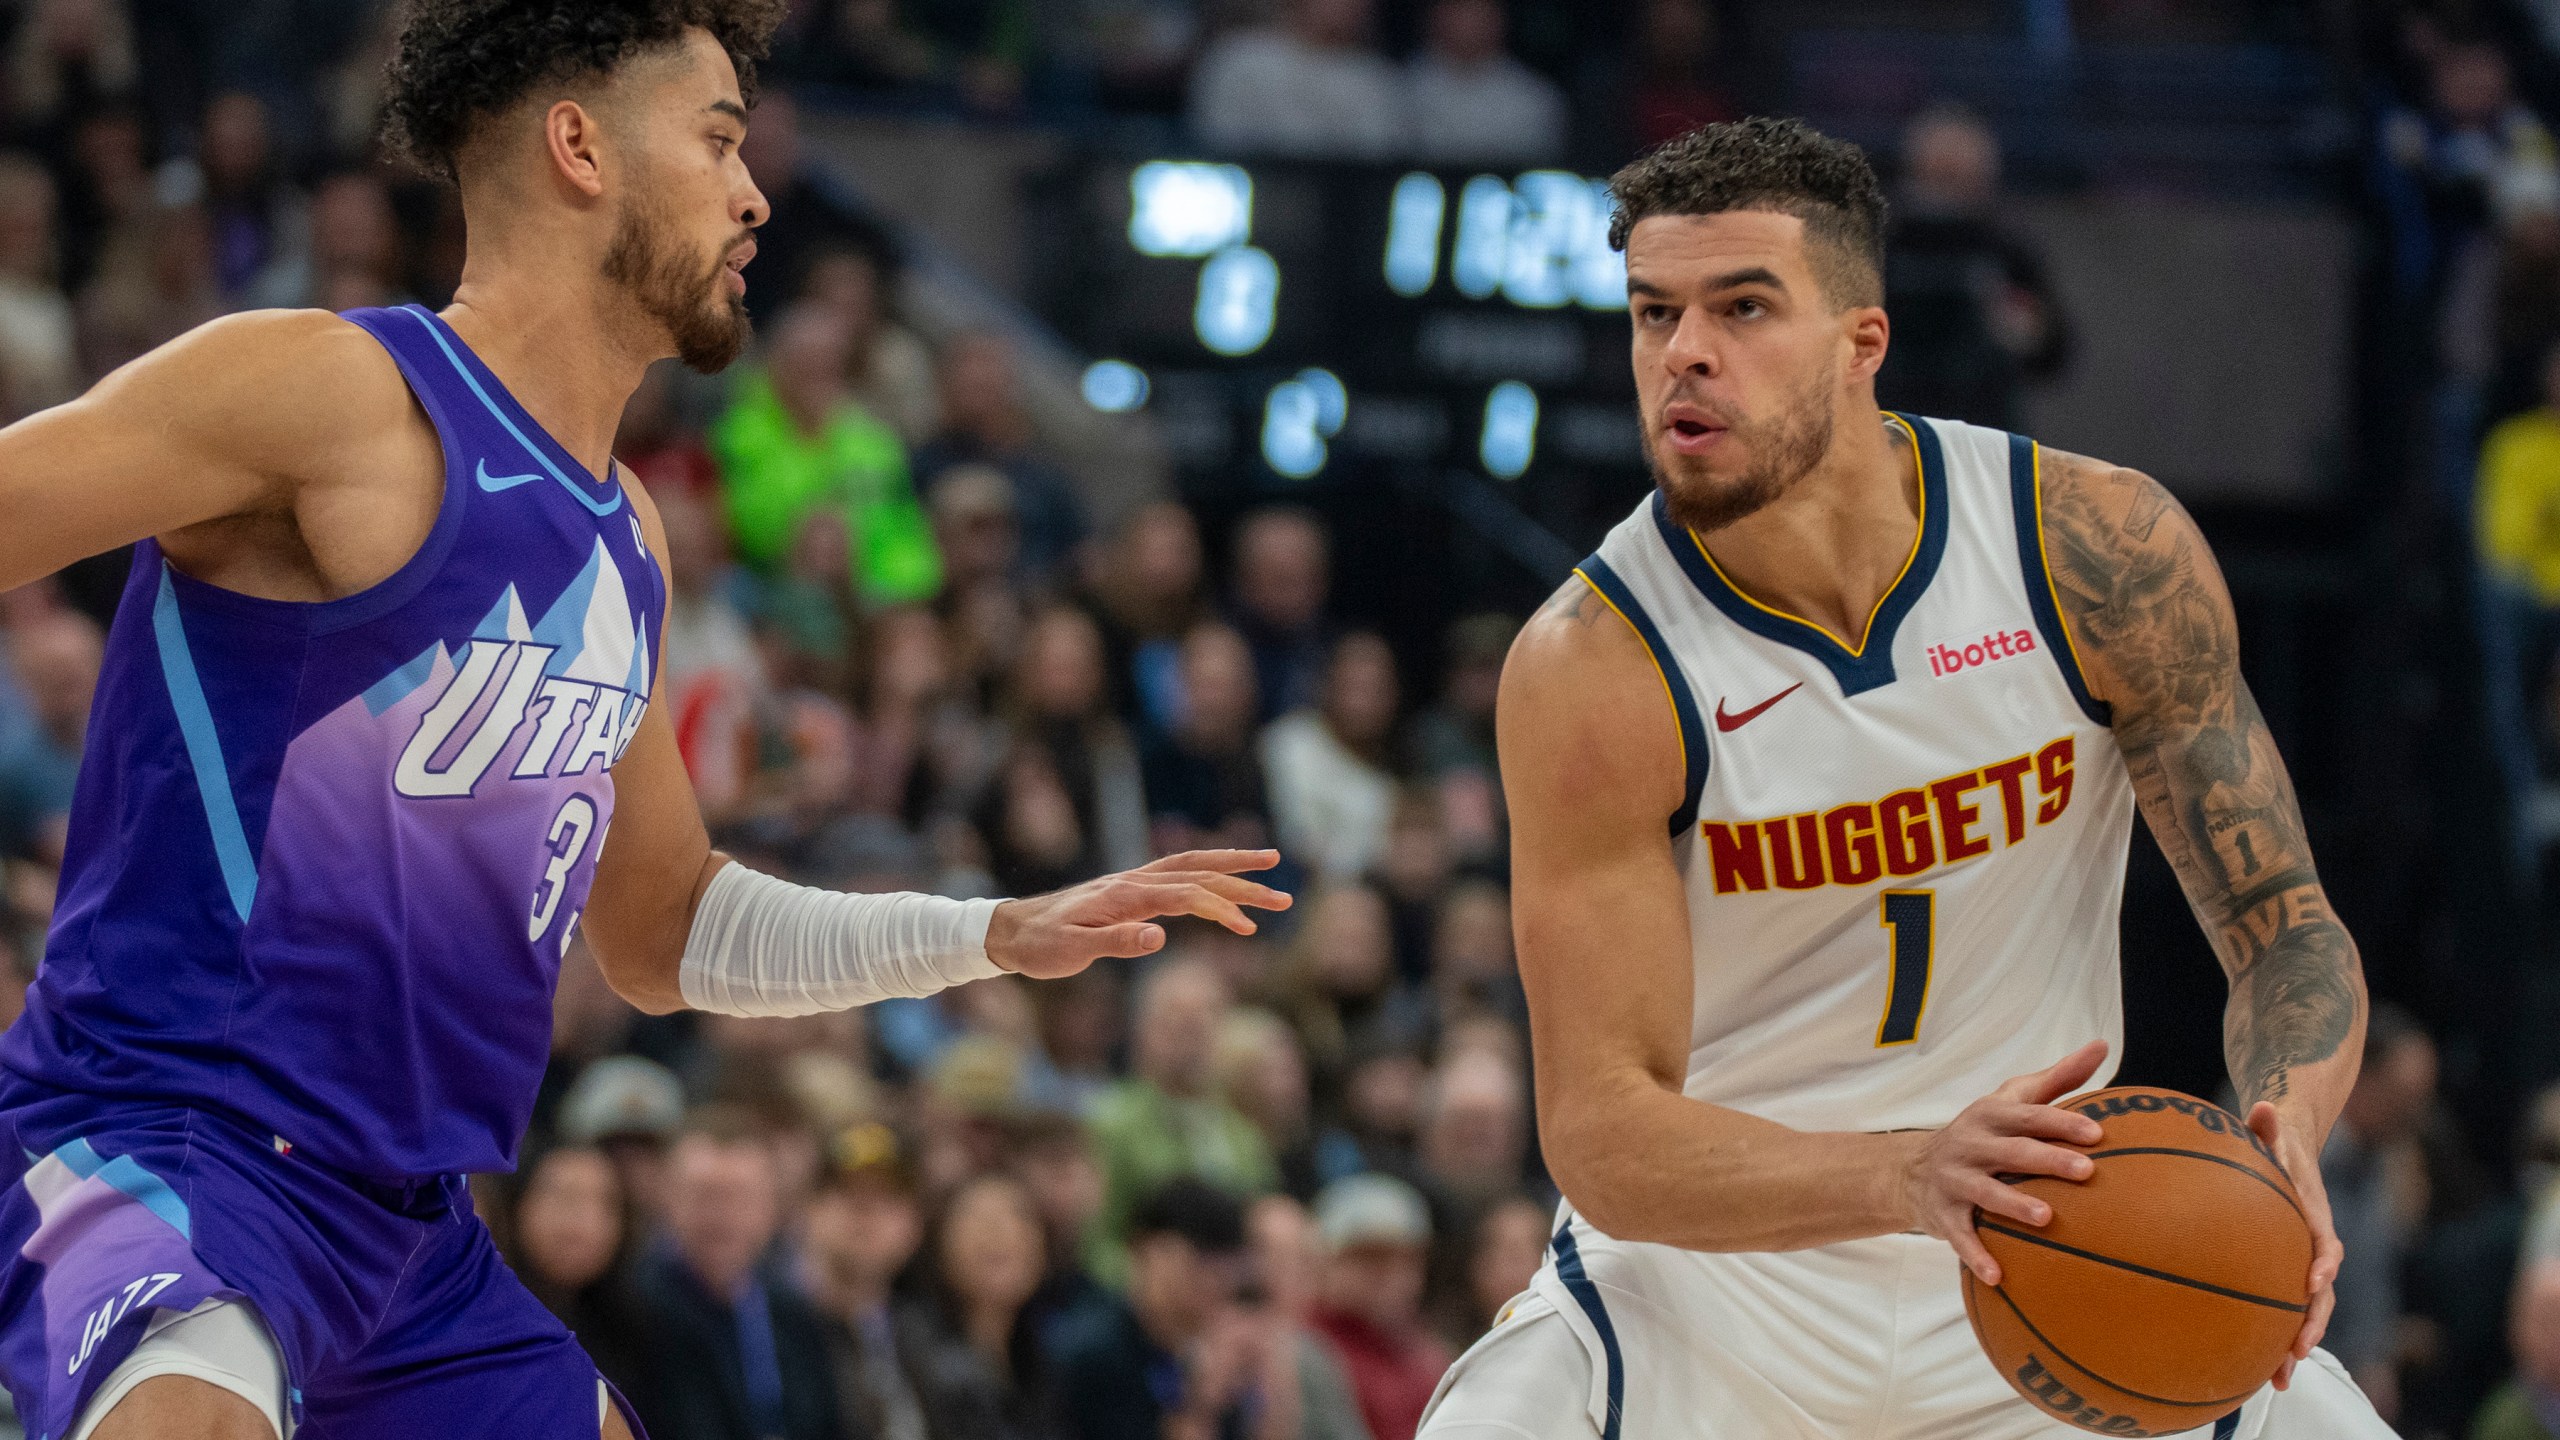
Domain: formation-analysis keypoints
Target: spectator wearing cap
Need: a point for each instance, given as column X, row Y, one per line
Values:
column 733, row 1355
column 629, row 1108
column 1377, row 1240
column 1180, row 1358
column 2528, row 1406
column 1311, row 87
column 795, row 449
column 860, row 1230
column 1470, row 102
column 1166, row 1119
column 573, row 1235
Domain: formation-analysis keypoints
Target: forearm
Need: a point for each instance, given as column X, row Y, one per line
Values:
column 760, row 946
column 1643, row 1162
column 2293, row 1029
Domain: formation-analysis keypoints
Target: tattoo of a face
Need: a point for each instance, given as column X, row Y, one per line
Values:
column 2153, row 624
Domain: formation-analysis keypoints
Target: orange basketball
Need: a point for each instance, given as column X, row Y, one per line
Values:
column 2169, row 1284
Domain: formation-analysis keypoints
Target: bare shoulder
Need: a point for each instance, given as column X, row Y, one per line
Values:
column 1583, row 714
column 2137, row 584
column 265, row 388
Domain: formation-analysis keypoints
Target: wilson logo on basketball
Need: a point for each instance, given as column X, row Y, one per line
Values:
column 1951, row 658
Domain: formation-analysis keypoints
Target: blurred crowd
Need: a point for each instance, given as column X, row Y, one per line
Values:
column 1255, row 1187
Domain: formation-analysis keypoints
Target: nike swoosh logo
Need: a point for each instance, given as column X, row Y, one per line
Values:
column 1726, row 722
column 495, row 483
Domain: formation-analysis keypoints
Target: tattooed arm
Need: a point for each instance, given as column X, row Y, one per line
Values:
column 2152, row 625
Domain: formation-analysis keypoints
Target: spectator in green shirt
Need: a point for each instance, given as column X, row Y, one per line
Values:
column 1167, row 1120
column 794, row 443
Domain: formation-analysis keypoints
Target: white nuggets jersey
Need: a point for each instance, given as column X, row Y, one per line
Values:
column 1904, row 860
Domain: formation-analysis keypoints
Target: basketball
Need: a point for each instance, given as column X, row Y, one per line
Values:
column 2169, row 1284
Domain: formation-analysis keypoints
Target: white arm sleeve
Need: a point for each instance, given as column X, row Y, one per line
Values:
column 762, row 946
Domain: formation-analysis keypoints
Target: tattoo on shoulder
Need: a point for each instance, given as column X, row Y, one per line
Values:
column 2153, row 626
column 1575, row 603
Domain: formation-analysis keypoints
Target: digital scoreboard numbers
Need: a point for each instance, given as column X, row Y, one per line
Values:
column 1305, row 316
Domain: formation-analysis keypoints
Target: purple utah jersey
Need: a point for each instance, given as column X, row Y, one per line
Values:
column 324, row 858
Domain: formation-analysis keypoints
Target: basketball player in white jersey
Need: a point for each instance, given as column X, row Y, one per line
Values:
column 1821, row 775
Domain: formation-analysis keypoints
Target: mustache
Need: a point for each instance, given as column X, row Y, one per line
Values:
column 1723, row 415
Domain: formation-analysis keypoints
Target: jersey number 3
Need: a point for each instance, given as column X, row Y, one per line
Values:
column 1910, row 920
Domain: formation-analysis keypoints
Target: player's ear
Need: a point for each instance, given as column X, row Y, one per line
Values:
column 573, row 140
column 1868, row 333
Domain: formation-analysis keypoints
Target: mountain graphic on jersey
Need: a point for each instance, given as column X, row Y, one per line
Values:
column 580, row 675
column 493, row 752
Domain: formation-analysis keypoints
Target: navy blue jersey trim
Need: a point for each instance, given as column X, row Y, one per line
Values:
column 2026, row 499
column 1871, row 664
column 1577, row 1282
column 2227, row 1426
column 1596, row 573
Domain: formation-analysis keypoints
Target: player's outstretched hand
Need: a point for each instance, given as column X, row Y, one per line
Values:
column 1047, row 936
column 2008, row 1132
column 2293, row 1148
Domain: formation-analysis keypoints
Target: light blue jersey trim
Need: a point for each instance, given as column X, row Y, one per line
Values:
column 124, row 1173
column 204, row 749
column 594, row 506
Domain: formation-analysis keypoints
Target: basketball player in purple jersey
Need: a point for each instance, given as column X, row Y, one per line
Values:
column 375, row 698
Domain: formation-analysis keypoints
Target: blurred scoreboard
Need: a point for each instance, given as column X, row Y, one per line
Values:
column 1286, row 323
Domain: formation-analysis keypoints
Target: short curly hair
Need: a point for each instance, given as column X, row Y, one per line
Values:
column 1785, row 166
column 459, row 61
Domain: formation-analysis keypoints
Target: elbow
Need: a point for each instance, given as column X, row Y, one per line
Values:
column 1587, row 1145
column 647, row 984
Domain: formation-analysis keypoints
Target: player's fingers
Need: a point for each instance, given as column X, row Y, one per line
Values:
column 2284, row 1374
column 2049, row 1122
column 1234, row 887
column 2315, row 1326
column 2008, row 1202
column 1127, row 900
column 1197, row 900
column 1228, row 862
column 1969, row 1250
column 2021, row 1156
column 1124, row 942
column 2266, row 1124
column 2061, row 1078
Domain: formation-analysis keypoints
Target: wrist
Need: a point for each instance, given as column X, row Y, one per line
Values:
column 1004, row 932
column 1891, row 1206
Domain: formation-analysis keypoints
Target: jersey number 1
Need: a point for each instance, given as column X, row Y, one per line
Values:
column 1910, row 918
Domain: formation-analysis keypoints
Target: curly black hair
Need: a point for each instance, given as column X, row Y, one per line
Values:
column 461, row 60
column 1764, row 164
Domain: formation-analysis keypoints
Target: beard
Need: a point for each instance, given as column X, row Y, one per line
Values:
column 1783, row 448
column 690, row 299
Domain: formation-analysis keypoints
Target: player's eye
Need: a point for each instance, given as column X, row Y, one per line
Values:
column 1749, row 308
column 1654, row 314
